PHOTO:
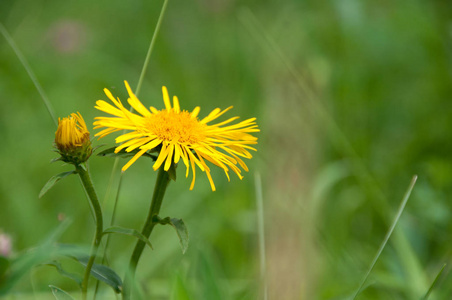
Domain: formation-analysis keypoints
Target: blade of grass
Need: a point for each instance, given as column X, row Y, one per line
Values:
column 30, row 72
column 151, row 46
column 388, row 234
column 434, row 283
column 261, row 230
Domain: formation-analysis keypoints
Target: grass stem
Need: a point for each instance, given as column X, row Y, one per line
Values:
column 261, row 232
column 30, row 72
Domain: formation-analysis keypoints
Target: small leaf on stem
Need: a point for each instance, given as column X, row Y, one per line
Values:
column 179, row 226
column 54, row 180
column 103, row 273
column 63, row 272
column 59, row 294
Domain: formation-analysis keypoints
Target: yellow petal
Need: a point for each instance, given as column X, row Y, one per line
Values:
column 169, row 157
column 166, row 99
column 130, row 162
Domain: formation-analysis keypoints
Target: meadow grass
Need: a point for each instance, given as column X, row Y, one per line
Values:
column 352, row 99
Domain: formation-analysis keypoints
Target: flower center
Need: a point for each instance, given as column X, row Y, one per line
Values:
column 172, row 126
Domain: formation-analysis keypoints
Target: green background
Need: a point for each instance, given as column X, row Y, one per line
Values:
column 352, row 98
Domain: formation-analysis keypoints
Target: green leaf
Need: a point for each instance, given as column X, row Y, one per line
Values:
column 128, row 231
column 4, row 266
column 103, row 273
column 54, row 180
column 59, row 294
column 63, row 272
column 110, row 152
column 179, row 226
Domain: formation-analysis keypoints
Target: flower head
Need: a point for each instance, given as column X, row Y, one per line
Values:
column 72, row 139
column 178, row 134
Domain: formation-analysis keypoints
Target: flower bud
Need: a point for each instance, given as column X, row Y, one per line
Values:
column 72, row 139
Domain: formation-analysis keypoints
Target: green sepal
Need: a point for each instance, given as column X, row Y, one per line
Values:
column 52, row 182
column 63, row 272
column 110, row 152
column 55, row 159
column 172, row 171
column 75, row 155
column 129, row 232
column 179, row 226
column 103, row 273
column 59, row 294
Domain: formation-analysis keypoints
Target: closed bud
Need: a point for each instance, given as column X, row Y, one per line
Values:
column 72, row 139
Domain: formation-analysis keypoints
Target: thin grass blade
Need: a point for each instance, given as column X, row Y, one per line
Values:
column 261, row 231
column 388, row 234
column 30, row 72
column 434, row 283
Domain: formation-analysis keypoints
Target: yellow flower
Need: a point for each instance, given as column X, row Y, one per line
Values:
column 72, row 139
column 178, row 134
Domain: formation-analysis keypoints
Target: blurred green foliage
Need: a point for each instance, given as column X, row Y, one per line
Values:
column 352, row 98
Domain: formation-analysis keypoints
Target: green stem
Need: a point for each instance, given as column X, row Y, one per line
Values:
column 157, row 198
column 137, row 92
column 97, row 212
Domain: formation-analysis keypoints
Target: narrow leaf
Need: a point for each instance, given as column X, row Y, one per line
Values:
column 179, row 226
column 128, row 231
column 52, row 182
column 103, row 273
column 110, row 152
column 59, row 294
column 63, row 272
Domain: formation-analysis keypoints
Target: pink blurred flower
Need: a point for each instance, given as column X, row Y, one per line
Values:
column 5, row 244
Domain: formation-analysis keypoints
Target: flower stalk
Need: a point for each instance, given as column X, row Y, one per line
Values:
column 97, row 212
column 72, row 140
column 161, row 184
